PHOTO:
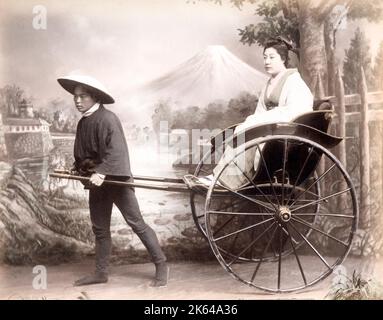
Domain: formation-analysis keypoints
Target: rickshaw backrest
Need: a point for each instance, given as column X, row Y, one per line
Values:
column 319, row 118
column 298, row 154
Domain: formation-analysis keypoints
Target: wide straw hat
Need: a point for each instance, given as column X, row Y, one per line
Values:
column 70, row 82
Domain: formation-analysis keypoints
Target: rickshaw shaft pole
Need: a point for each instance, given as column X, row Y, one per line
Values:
column 177, row 187
column 147, row 178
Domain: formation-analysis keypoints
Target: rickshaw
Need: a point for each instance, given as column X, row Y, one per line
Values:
column 292, row 221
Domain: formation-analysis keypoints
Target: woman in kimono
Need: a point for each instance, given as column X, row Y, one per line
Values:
column 284, row 97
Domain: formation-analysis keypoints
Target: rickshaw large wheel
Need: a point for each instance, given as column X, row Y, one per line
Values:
column 283, row 218
column 198, row 200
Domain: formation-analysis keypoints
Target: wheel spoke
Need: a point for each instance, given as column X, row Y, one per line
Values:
column 300, row 201
column 325, row 215
column 309, row 193
column 242, row 213
column 316, row 180
column 280, row 258
column 241, row 230
column 255, row 186
column 310, row 245
column 249, row 245
column 268, row 174
column 268, row 239
column 247, row 198
column 320, row 200
column 223, row 225
column 268, row 235
column 263, row 253
column 318, row 230
column 296, row 256
column 284, row 170
column 203, row 214
column 286, row 232
column 235, row 238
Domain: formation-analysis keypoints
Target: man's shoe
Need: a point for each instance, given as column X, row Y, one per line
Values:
column 162, row 275
column 97, row 277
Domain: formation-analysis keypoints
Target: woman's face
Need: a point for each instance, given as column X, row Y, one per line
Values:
column 273, row 62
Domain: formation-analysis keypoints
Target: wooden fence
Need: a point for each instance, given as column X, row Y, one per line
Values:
column 360, row 109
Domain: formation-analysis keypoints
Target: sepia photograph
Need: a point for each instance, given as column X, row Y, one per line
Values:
column 191, row 150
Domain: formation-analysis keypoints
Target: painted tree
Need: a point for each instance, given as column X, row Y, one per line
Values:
column 358, row 55
column 213, row 115
column 162, row 112
column 274, row 24
column 312, row 24
column 378, row 69
column 239, row 108
column 10, row 98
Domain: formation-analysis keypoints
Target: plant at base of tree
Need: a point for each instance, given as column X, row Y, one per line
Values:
column 355, row 288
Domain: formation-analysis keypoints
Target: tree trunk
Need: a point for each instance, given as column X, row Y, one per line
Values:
column 376, row 168
column 365, row 155
column 330, row 44
column 312, row 51
column 333, row 22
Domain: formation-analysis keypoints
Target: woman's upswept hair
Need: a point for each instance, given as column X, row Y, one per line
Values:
column 282, row 46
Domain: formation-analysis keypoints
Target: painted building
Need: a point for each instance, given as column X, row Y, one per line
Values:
column 27, row 137
column 3, row 148
column 24, row 135
column 23, row 125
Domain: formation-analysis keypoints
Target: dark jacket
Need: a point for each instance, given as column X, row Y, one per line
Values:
column 100, row 145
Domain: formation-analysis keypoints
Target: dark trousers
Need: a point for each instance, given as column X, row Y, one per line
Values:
column 101, row 201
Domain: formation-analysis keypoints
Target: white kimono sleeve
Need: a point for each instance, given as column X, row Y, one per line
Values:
column 296, row 99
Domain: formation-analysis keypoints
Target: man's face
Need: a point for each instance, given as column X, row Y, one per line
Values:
column 82, row 99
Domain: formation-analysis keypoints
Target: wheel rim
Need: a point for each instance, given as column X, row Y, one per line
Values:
column 197, row 203
column 198, row 199
column 286, row 220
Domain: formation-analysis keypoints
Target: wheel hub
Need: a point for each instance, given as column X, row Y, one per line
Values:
column 284, row 213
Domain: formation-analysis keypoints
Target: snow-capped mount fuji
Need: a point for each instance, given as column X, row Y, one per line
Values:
column 212, row 74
